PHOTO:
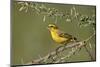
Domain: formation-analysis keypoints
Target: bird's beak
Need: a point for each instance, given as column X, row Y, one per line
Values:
column 48, row 28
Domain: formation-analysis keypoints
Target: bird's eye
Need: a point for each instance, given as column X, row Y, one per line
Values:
column 51, row 26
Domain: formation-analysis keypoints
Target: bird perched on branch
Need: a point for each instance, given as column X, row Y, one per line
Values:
column 59, row 36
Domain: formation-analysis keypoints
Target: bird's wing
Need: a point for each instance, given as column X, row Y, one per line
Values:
column 65, row 35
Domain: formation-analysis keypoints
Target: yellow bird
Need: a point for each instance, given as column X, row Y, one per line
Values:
column 59, row 36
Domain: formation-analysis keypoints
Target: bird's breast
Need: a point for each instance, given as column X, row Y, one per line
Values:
column 57, row 38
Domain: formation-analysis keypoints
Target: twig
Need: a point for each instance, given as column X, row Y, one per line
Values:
column 53, row 56
column 88, row 52
column 89, row 37
column 87, row 48
column 71, row 52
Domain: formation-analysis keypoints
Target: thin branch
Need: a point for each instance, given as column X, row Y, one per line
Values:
column 89, row 37
column 88, row 52
column 53, row 55
column 72, row 52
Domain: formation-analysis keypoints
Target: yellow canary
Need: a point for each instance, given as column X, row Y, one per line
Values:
column 59, row 36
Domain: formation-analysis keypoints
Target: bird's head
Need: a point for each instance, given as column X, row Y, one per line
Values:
column 52, row 27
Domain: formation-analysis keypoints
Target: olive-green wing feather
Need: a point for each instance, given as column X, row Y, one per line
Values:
column 65, row 35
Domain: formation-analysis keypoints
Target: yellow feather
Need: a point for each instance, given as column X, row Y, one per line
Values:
column 56, row 37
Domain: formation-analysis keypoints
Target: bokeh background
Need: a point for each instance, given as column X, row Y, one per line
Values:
column 30, row 37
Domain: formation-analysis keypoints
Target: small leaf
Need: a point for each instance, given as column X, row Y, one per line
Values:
column 26, row 10
column 20, row 2
column 44, row 18
column 85, row 25
column 68, row 20
column 26, row 3
column 21, row 8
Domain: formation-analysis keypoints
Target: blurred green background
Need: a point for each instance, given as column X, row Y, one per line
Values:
column 30, row 37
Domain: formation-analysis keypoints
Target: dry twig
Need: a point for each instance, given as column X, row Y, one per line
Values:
column 52, row 57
